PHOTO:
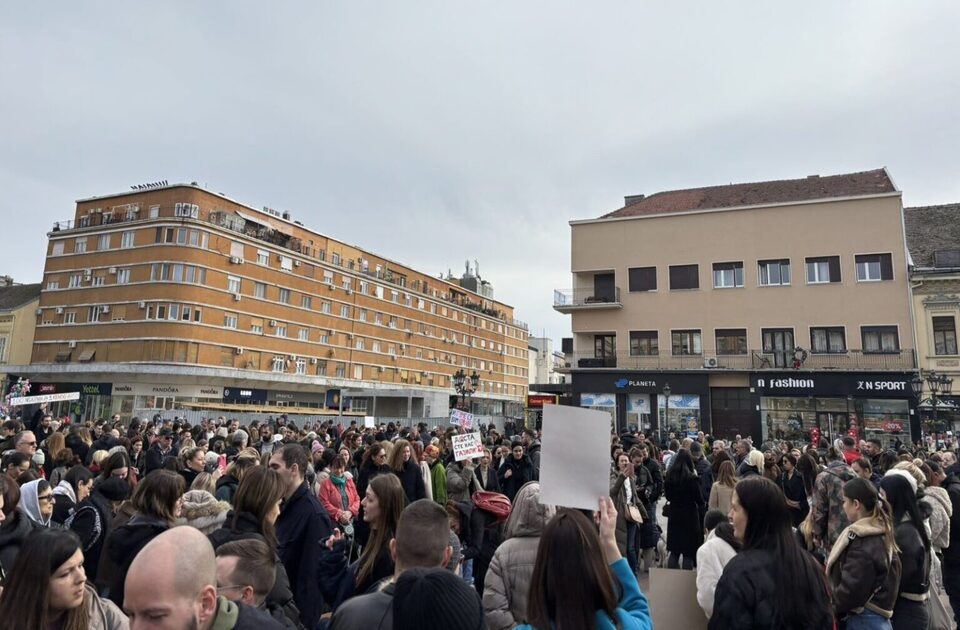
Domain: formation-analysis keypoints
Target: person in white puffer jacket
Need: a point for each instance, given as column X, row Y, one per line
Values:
column 941, row 511
column 719, row 547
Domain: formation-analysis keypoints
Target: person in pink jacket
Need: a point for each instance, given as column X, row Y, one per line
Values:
column 338, row 495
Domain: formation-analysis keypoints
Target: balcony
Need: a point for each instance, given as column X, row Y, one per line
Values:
column 569, row 300
column 754, row 360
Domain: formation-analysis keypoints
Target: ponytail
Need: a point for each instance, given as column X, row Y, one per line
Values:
column 883, row 514
column 859, row 489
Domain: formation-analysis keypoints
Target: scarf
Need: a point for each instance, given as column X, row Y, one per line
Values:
column 340, row 483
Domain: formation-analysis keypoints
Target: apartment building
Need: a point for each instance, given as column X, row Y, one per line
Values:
column 766, row 309
column 173, row 296
column 933, row 238
column 18, row 305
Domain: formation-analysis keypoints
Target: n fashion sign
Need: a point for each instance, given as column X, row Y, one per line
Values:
column 862, row 384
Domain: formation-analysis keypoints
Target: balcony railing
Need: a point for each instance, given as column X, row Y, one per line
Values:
column 566, row 300
column 850, row 360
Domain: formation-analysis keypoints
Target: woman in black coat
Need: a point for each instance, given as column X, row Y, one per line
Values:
column 515, row 472
column 403, row 464
column 487, row 473
column 684, row 530
column 791, row 482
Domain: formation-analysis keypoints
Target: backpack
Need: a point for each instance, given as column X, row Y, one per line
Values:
column 493, row 502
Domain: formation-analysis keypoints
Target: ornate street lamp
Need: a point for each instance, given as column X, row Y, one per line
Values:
column 465, row 386
column 666, row 411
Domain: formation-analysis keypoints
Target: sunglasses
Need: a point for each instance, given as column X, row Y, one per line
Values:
column 46, row 497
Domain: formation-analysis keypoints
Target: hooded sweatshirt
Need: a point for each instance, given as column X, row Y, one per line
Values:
column 30, row 505
column 508, row 577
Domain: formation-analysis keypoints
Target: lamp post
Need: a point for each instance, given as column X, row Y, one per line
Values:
column 939, row 385
column 666, row 412
column 465, row 386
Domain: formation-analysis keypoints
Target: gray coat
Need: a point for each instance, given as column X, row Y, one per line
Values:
column 508, row 577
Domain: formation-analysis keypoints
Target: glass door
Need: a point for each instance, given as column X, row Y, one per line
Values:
column 779, row 343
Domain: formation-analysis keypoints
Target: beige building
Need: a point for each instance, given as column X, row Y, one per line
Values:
column 933, row 237
column 769, row 309
column 18, row 319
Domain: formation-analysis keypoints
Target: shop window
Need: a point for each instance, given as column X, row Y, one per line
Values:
column 644, row 343
column 643, row 278
column 944, row 335
column 684, row 277
column 731, row 340
column 728, row 275
column 823, row 269
column 874, row 267
column 773, row 273
column 828, row 340
column 880, row 339
column 686, row 342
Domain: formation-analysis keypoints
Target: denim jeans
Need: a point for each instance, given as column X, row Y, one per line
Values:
column 632, row 534
column 867, row 620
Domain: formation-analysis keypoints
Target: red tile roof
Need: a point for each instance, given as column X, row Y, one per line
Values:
column 758, row 193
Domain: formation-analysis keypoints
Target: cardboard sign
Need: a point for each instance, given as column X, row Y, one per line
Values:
column 467, row 446
column 44, row 398
column 461, row 419
column 669, row 586
column 585, row 435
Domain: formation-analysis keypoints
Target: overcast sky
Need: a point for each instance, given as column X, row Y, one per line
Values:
column 433, row 132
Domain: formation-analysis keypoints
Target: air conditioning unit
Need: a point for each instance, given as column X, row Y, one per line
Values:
column 236, row 260
column 296, row 263
column 313, row 361
column 71, row 344
column 39, row 311
column 349, row 291
column 59, row 310
column 105, row 309
column 112, row 270
column 330, row 286
column 273, row 323
column 711, row 362
column 380, row 368
column 87, row 273
column 142, row 304
column 290, row 357
column 238, row 351
column 236, row 297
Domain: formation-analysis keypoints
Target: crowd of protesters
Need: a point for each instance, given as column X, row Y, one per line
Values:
column 156, row 523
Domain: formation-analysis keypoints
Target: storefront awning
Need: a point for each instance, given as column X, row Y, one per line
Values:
column 63, row 357
column 86, row 356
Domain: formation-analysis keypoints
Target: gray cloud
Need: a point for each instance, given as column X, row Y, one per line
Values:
column 433, row 132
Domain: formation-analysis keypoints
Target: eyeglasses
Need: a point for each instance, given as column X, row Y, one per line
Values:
column 29, row 443
column 46, row 497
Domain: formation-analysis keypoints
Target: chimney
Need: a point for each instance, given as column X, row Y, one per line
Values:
column 629, row 200
column 6, row 281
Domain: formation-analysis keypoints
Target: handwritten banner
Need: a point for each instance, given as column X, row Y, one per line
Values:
column 461, row 419
column 467, row 446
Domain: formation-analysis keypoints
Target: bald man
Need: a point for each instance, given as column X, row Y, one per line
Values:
column 172, row 584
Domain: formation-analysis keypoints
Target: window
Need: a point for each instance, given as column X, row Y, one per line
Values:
column 57, row 249
column 823, row 269
column 76, row 280
column 376, row 346
column 189, row 210
column 236, row 249
column 779, row 343
column 827, row 340
column 98, row 280
column 328, row 276
column 643, row 278
column 80, row 245
column 53, row 284
column 256, row 326
column 259, row 290
column 393, row 296
column 153, row 212
column 644, row 343
column 126, row 240
column 944, row 335
column 230, row 320
column 774, row 273
column 286, row 263
column 103, row 243
column 279, row 364
column 324, row 338
column 344, row 310
column 303, row 334
column 874, row 267
column 325, row 307
column 686, row 342
column 727, row 275
column 360, row 344
column 878, row 339
column 335, row 258
column 285, row 296
column 301, row 366
column 306, row 301
column 731, row 341
column 263, row 257
column 341, row 370
column 345, row 283
column 362, row 314
column 378, row 291
column 281, row 330
column 684, row 277
column 70, row 317
column 233, row 284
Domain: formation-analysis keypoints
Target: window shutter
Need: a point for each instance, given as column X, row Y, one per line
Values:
column 834, row 262
column 886, row 267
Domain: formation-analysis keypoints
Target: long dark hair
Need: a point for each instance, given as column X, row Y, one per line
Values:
column 392, row 500
column 369, row 454
column 571, row 581
column 681, row 468
column 807, row 467
column 157, row 495
column 799, row 581
column 25, row 601
column 257, row 493
column 717, row 522
column 903, row 502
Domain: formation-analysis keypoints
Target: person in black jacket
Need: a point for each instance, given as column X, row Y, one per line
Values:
column 684, row 530
column 487, row 474
column 403, row 464
column 480, row 534
column 92, row 521
column 951, row 554
column 911, row 609
column 772, row 582
column 74, row 488
column 650, row 530
column 791, row 482
column 301, row 526
column 515, row 472
column 160, row 450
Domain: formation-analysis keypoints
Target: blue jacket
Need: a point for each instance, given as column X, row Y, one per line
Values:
column 633, row 611
column 302, row 527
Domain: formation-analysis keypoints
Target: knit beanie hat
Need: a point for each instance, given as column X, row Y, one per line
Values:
column 432, row 451
column 316, row 447
column 435, row 599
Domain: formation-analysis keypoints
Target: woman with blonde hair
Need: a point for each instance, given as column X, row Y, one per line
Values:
column 226, row 485
column 721, row 492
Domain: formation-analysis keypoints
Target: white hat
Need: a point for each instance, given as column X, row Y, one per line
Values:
column 905, row 474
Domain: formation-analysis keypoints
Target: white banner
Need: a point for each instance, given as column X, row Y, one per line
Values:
column 467, row 446
column 45, row 398
column 369, row 422
column 585, row 432
column 461, row 418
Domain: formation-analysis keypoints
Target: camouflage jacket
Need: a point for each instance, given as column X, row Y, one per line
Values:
column 829, row 520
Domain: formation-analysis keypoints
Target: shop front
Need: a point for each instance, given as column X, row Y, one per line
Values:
column 147, row 399
column 631, row 398
column 795, row 406
column 94, row 402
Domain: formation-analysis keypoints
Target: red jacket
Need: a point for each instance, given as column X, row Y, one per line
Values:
column 331, row 501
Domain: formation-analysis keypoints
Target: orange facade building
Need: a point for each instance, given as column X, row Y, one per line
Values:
column 174, row 297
